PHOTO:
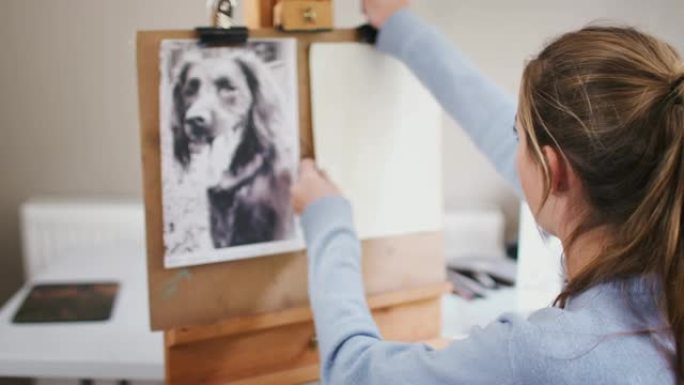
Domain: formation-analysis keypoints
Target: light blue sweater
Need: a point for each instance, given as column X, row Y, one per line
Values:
column 596, row 339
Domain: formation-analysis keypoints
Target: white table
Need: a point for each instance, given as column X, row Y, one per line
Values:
column 459, row 316
column 121, row 348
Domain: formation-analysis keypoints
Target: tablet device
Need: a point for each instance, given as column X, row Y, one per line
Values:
column 69, row 302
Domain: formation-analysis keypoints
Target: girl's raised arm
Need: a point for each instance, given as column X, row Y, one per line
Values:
column 482, row 108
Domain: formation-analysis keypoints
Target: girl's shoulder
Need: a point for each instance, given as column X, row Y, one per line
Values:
column 604, row 334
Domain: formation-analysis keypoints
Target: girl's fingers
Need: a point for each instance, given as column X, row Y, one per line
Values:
column 324, row 174
column 307, row 165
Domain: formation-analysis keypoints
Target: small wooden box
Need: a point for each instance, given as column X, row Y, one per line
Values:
column 303, row 15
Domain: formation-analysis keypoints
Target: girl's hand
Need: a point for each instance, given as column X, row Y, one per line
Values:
column 311, row 185
column 378, row 11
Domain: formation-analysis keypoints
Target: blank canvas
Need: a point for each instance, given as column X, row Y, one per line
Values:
column 377, row 133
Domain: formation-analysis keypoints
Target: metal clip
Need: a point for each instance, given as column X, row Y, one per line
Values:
column 224, row 32
column 223, row 13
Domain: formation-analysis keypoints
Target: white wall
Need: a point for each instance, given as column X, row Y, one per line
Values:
column 68, row 99
column 68, row 102
column 500, row 35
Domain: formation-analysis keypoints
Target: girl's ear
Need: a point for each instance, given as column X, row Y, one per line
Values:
column 560, row 172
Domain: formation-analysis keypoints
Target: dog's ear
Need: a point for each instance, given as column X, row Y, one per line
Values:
column 267, row 108
column 267, row 115
column 181, row 142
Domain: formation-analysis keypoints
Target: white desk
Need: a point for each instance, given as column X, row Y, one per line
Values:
column 121, row 348
column 459, row 316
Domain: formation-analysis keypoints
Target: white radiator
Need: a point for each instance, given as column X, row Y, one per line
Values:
column 52, row 227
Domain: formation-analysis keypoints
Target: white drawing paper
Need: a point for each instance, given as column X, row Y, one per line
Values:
column 377, row 133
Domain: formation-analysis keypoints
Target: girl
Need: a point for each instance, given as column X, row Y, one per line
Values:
column 599, row 157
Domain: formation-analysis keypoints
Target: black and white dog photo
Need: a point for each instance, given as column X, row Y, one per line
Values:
column 229, row 149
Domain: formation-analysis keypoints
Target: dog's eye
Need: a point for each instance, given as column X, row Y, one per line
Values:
column 223, row 84
column 191, row 87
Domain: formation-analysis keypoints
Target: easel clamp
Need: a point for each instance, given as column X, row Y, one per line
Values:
column 223, row 32
column 212, row 36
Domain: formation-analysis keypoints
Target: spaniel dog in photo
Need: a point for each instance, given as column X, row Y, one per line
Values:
column 229, row 108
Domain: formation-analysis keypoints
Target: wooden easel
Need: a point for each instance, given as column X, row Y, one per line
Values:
column 264, row 334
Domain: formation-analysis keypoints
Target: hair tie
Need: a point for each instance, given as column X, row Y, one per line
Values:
column 676, row 83
column 674, row 90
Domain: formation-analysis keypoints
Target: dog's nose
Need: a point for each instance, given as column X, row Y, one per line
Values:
column 198, row 125
column 196, row 121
